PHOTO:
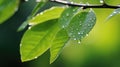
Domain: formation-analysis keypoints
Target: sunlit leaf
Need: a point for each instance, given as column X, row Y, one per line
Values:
column 46, row 15
column 7, row 9
column 81, row 25
column 38, row 39
column 115, row 12
column 57, row 45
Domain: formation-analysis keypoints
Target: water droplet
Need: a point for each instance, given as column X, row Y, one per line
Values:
column 38, row 0
column 20, row 45
column 81, row 37
column 87, row 35
column 114, row 12
column 35, row 57
column 72, row 2
column 89, row 25
column 80, row 24
column 77, row 29
column 79, row 41
column 63, row 26
column 41, row 13
column 73, row 10
column 29, row 27
column 82, row 32
column 26, row 0
column 67, row 14
column 75, row 39
column 70, row 34
column 111, row 15
column 101, row 1
column 16, row 9
column 79, row 33
column 37, row 14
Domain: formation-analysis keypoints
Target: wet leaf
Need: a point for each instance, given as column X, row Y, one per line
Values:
column 67, row 15
column 115, row 12
column 81, row 25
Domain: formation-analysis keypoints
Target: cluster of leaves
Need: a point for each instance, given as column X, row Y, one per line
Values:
column 50, row 29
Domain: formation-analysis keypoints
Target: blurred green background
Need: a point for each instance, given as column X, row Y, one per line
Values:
column 100, row 49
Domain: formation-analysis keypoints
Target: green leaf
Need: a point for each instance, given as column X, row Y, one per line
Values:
column 81, row 25
column 35, row 10
column 57, row 45
column 67, row 15
column 38, row 39
column 115, row 12
column 7, row 9
column 46, row 15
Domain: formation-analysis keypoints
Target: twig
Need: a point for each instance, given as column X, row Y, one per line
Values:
column 85, row 6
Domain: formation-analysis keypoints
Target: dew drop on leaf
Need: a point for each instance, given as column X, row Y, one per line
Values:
column 75, row 39
column 78, row 32
column 35, row 57
column 29, row 27
column 67, row 14
column 87, row 34
column 26, row 0
column 38, row 0
column 101, row 1
column 79, row 41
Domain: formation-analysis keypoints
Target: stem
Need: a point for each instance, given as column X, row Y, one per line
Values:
column 85, row 6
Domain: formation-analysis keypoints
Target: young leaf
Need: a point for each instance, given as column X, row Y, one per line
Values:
column 46, row 15
column 35, row 10
column 115, row 12
column 7, row 9
column 38, row 39
column 57, row 45
column 81, row 25
column 67, row 15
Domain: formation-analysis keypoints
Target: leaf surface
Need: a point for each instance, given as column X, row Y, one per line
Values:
column 81, row 25
column 49, row 14
column 67, row 15
column 7, row 9
column 58, row 44
column 115, row 12
column 38, row 39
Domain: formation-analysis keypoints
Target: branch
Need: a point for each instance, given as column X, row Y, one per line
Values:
column 85, row 6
